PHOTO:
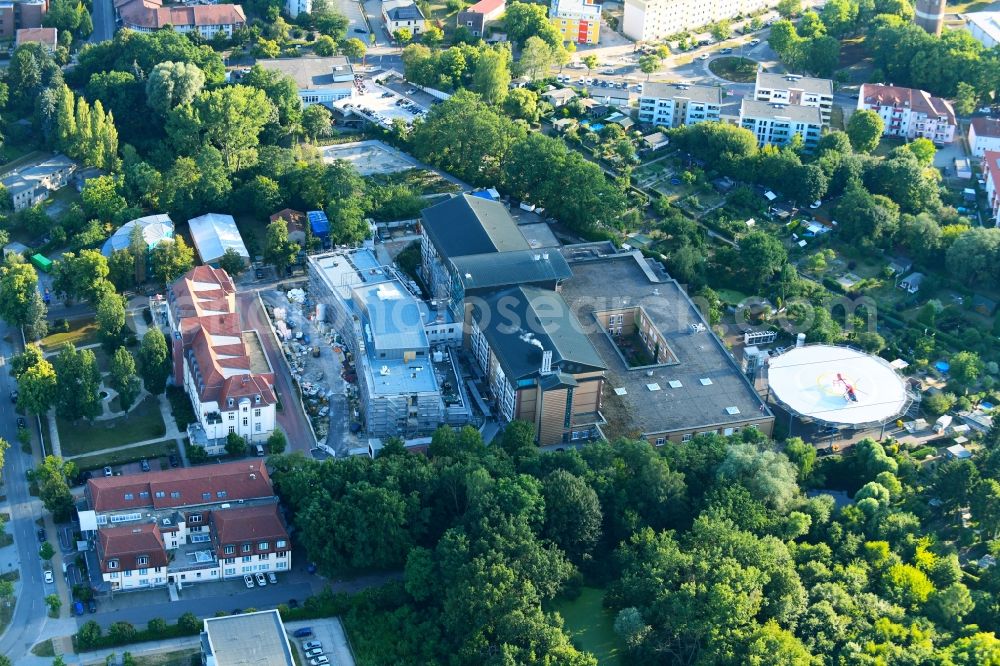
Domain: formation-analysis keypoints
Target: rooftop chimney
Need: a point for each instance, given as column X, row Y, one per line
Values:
column 546, row 362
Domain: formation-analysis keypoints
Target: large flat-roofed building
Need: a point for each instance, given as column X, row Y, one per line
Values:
column 674, row 105
column 184, row 526
column 984, row 27
column 578, row 21
column 653, row 20
column 222, row 367
column 667, row 376
column 910, row 113
column 31, row 184
column 319, row 80
column 246, row 639
column 776, row 124
column 796, row 90
column 540, row 366
column 408, row 381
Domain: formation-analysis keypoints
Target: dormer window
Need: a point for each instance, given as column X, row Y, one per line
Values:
column 231, row 402
column 112, row 564
column 246, row 548
column 230, row 549
column 142, row 560
column 256, row 399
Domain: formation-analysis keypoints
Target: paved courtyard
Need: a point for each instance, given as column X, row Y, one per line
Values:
column 368, row 157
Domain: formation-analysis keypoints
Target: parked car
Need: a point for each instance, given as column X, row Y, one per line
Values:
column 48, row 577
column 92, row 606
column 261, row 581
column 174, row 462
column 259, row 274
column 312, row 645
column 816, row 204
column 703, row 56
column 319, row 661
column 248, row 580
column 13, row 395
column 304, row 632
column 108, row 471
column 754, row 42
column 272, row 578
column 726, row 50
column 21, row 424
column 315, row 652
column 144, row 464
column 77, row 608
column 41, row 535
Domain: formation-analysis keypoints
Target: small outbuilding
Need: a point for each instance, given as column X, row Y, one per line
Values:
column 911, row 283
column 320, row 226
column 213, row 234
column 958, row 452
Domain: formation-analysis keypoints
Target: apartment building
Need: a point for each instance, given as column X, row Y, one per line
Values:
column 653, row 20
column 204, row 20
column 984, row 134
column 909, row 113
column 776, row 124
column 991, row 175
column 407, row 376
column 795, row 90
column 32, row 183
column 578, row 21
column 478, row 16
column 222, row 367
column 18, row 14
column 184, row 526
column 674, row 105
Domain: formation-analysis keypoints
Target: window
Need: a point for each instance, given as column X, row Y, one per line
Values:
column 175, row 494
column 128, row 573
column 160, row 494
column 246, row 421
column 687, row 437
column 142, row 560
column 280, row 543
column 112, row 564
column 256, row 401
column 262, row 545
column 232, row 428
column 660, row 441
column 231, row 402
column 230, row 549
column 221, row 494
column 144, row 494
column 281, row 565
column 263, row 557
column 248, row 558
column 256, row 413
column 206, row 496
column 246, row 548
column 129, row 497
column 232, row 416
column 195, row 518
column 230, row 560
column 143, row 572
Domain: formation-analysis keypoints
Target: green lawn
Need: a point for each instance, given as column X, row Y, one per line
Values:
column 145, row 422
column 82, row 331
column 591, row 626
column 731, row 68
column 150, row 452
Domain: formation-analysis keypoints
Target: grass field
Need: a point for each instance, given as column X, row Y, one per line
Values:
column 151, row 452
column 591, row 626
column 175, row 658
column 145, row 422
column 82, row 331
column 738, row 70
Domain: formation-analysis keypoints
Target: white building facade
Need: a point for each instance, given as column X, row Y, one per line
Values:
column 776, row 124
column 909, row 113
column 652, row 20
column 797, row 90
column 670, row 105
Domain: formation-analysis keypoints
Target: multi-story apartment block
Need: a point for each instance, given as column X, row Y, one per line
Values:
column 991, row 175
column 407, row 375
column 909, row 113
column 296, row 7
column 205, row 20
column 18, row 14
column 795, row 90
column 653, row 20
column 776, row 124
column 578, row 21
column 984, row 134
column 673, row 105
column 222, row 367
column 185, row 526
column 32, row 183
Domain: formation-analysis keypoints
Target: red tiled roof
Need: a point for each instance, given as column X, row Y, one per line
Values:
column 203, row 302
column 46, row 36
column 151, row 14
column 127, row 543
column 917, row 100
column 253, row 525
column 238, row 480
column 991, row 165
column 986, row 126
column 292, row 217
column 486, row 6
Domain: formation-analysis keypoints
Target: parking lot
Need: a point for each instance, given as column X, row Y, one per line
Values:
column 330, row 633
column 381, row 105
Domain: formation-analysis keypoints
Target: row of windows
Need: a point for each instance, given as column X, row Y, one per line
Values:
column 229, row 549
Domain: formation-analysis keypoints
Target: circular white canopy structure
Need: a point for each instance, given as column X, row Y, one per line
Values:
column 837, row 385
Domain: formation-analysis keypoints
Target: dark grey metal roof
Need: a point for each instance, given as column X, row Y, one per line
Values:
column 466, row 225
column 520, row 322
column 502, row 269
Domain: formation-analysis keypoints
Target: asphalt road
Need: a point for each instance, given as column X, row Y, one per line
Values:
column 103, row 17
column 30, row 612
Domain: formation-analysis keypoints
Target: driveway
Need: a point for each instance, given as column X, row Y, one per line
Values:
column 291, row 418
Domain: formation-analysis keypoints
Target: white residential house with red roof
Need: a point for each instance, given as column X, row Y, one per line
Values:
column 984, row 134
column 222, row 367
column 184, row 526
column 205, row 20
column 991, row 175
column 909, row 113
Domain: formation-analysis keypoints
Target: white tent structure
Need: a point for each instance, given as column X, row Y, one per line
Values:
column 155, row 228
column 215, row 233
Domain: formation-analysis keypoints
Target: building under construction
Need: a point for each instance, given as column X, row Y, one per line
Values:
column 407, row 377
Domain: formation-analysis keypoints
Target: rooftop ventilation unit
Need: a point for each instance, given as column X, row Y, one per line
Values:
column 653, row 387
